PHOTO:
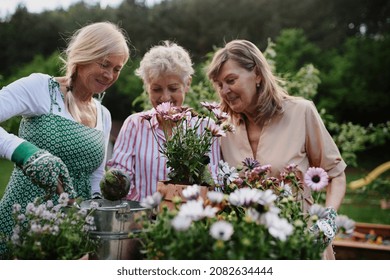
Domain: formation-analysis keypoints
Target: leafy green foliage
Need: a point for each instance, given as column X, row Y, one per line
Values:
column 293, row 51
column 356, row 79
column 353, row 138
column 186, row 154
column 189, row 137
column 11, row 125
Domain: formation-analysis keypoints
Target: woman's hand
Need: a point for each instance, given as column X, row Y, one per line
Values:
column 49, row 172
column 326, row 225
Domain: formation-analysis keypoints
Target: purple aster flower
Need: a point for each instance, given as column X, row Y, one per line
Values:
column 250, row 163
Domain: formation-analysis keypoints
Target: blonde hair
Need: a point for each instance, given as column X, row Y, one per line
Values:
column 249, row 57
column 90, row 43
column 167, row 58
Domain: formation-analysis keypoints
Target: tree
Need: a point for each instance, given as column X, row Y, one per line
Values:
column 356, row 86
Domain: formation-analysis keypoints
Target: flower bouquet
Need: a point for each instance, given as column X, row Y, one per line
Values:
column 189, row 137
column 254, row 217
column 45, row 231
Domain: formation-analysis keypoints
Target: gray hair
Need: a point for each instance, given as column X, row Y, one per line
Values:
column 167, row 58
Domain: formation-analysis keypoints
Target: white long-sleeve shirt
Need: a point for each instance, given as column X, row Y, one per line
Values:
column 30, row 96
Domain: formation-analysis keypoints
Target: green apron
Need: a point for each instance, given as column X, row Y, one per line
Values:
column 81, row 148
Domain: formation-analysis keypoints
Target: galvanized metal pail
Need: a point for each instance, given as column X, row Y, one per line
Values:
column 114, row 221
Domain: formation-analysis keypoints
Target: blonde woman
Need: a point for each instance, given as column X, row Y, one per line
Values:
column 64, row 131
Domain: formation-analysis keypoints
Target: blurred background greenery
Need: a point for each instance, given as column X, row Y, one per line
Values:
column 333, row 52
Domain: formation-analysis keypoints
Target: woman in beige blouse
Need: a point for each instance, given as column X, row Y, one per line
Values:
column 271, row 126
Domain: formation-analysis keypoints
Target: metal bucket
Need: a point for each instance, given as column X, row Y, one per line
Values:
column 114, row 221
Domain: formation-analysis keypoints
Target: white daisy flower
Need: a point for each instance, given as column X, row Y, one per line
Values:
column 193, row 209
column 221, row 230
column 191, row 192
column 151, row 201
column 227, row 173
column 345, row 224
column 287, row 190
column 245, row 197
column 317, row 210
column 209, row 211
column 215, row 197
column 267, row 198
column 63, row 199
column 278, row 227
column 252, row 214
column 181, row 223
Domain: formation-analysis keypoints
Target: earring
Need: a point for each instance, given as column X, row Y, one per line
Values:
column 257, row 85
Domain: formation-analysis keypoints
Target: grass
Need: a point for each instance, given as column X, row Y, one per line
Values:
column 5, row 171
column 361, row 206
column 365, row 213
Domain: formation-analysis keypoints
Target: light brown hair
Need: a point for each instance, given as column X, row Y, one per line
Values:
column 248, row 56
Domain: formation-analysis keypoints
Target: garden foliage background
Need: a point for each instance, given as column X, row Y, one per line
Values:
column 333, row 52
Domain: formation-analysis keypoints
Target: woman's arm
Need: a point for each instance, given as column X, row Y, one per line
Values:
column 123, row 152
column 323, row 152
column 335, row 191
column 21, row 98
column 98, row 174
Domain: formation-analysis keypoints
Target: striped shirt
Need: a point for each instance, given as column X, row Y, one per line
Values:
column 136, row 152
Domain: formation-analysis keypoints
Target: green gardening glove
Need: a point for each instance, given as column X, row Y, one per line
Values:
column 43, row 168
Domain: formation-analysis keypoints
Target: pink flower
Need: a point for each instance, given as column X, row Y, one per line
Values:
column 210, row 106
column 228, row 127
column 164, row 108
column 216, row 130
column 221, row 116
column 316, row 178
column 147, row 115
column 175, row 117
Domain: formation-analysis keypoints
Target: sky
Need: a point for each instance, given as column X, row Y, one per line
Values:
column 7, row 7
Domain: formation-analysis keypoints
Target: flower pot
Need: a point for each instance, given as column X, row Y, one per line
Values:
column 169, row 191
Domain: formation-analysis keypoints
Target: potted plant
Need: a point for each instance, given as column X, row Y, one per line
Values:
column 254, row 217
column 44, row 231
column 189, row 137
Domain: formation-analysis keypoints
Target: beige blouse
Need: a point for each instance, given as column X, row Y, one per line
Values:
column 299, row 136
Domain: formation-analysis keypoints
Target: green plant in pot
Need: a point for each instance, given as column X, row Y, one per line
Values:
column 188, row 140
